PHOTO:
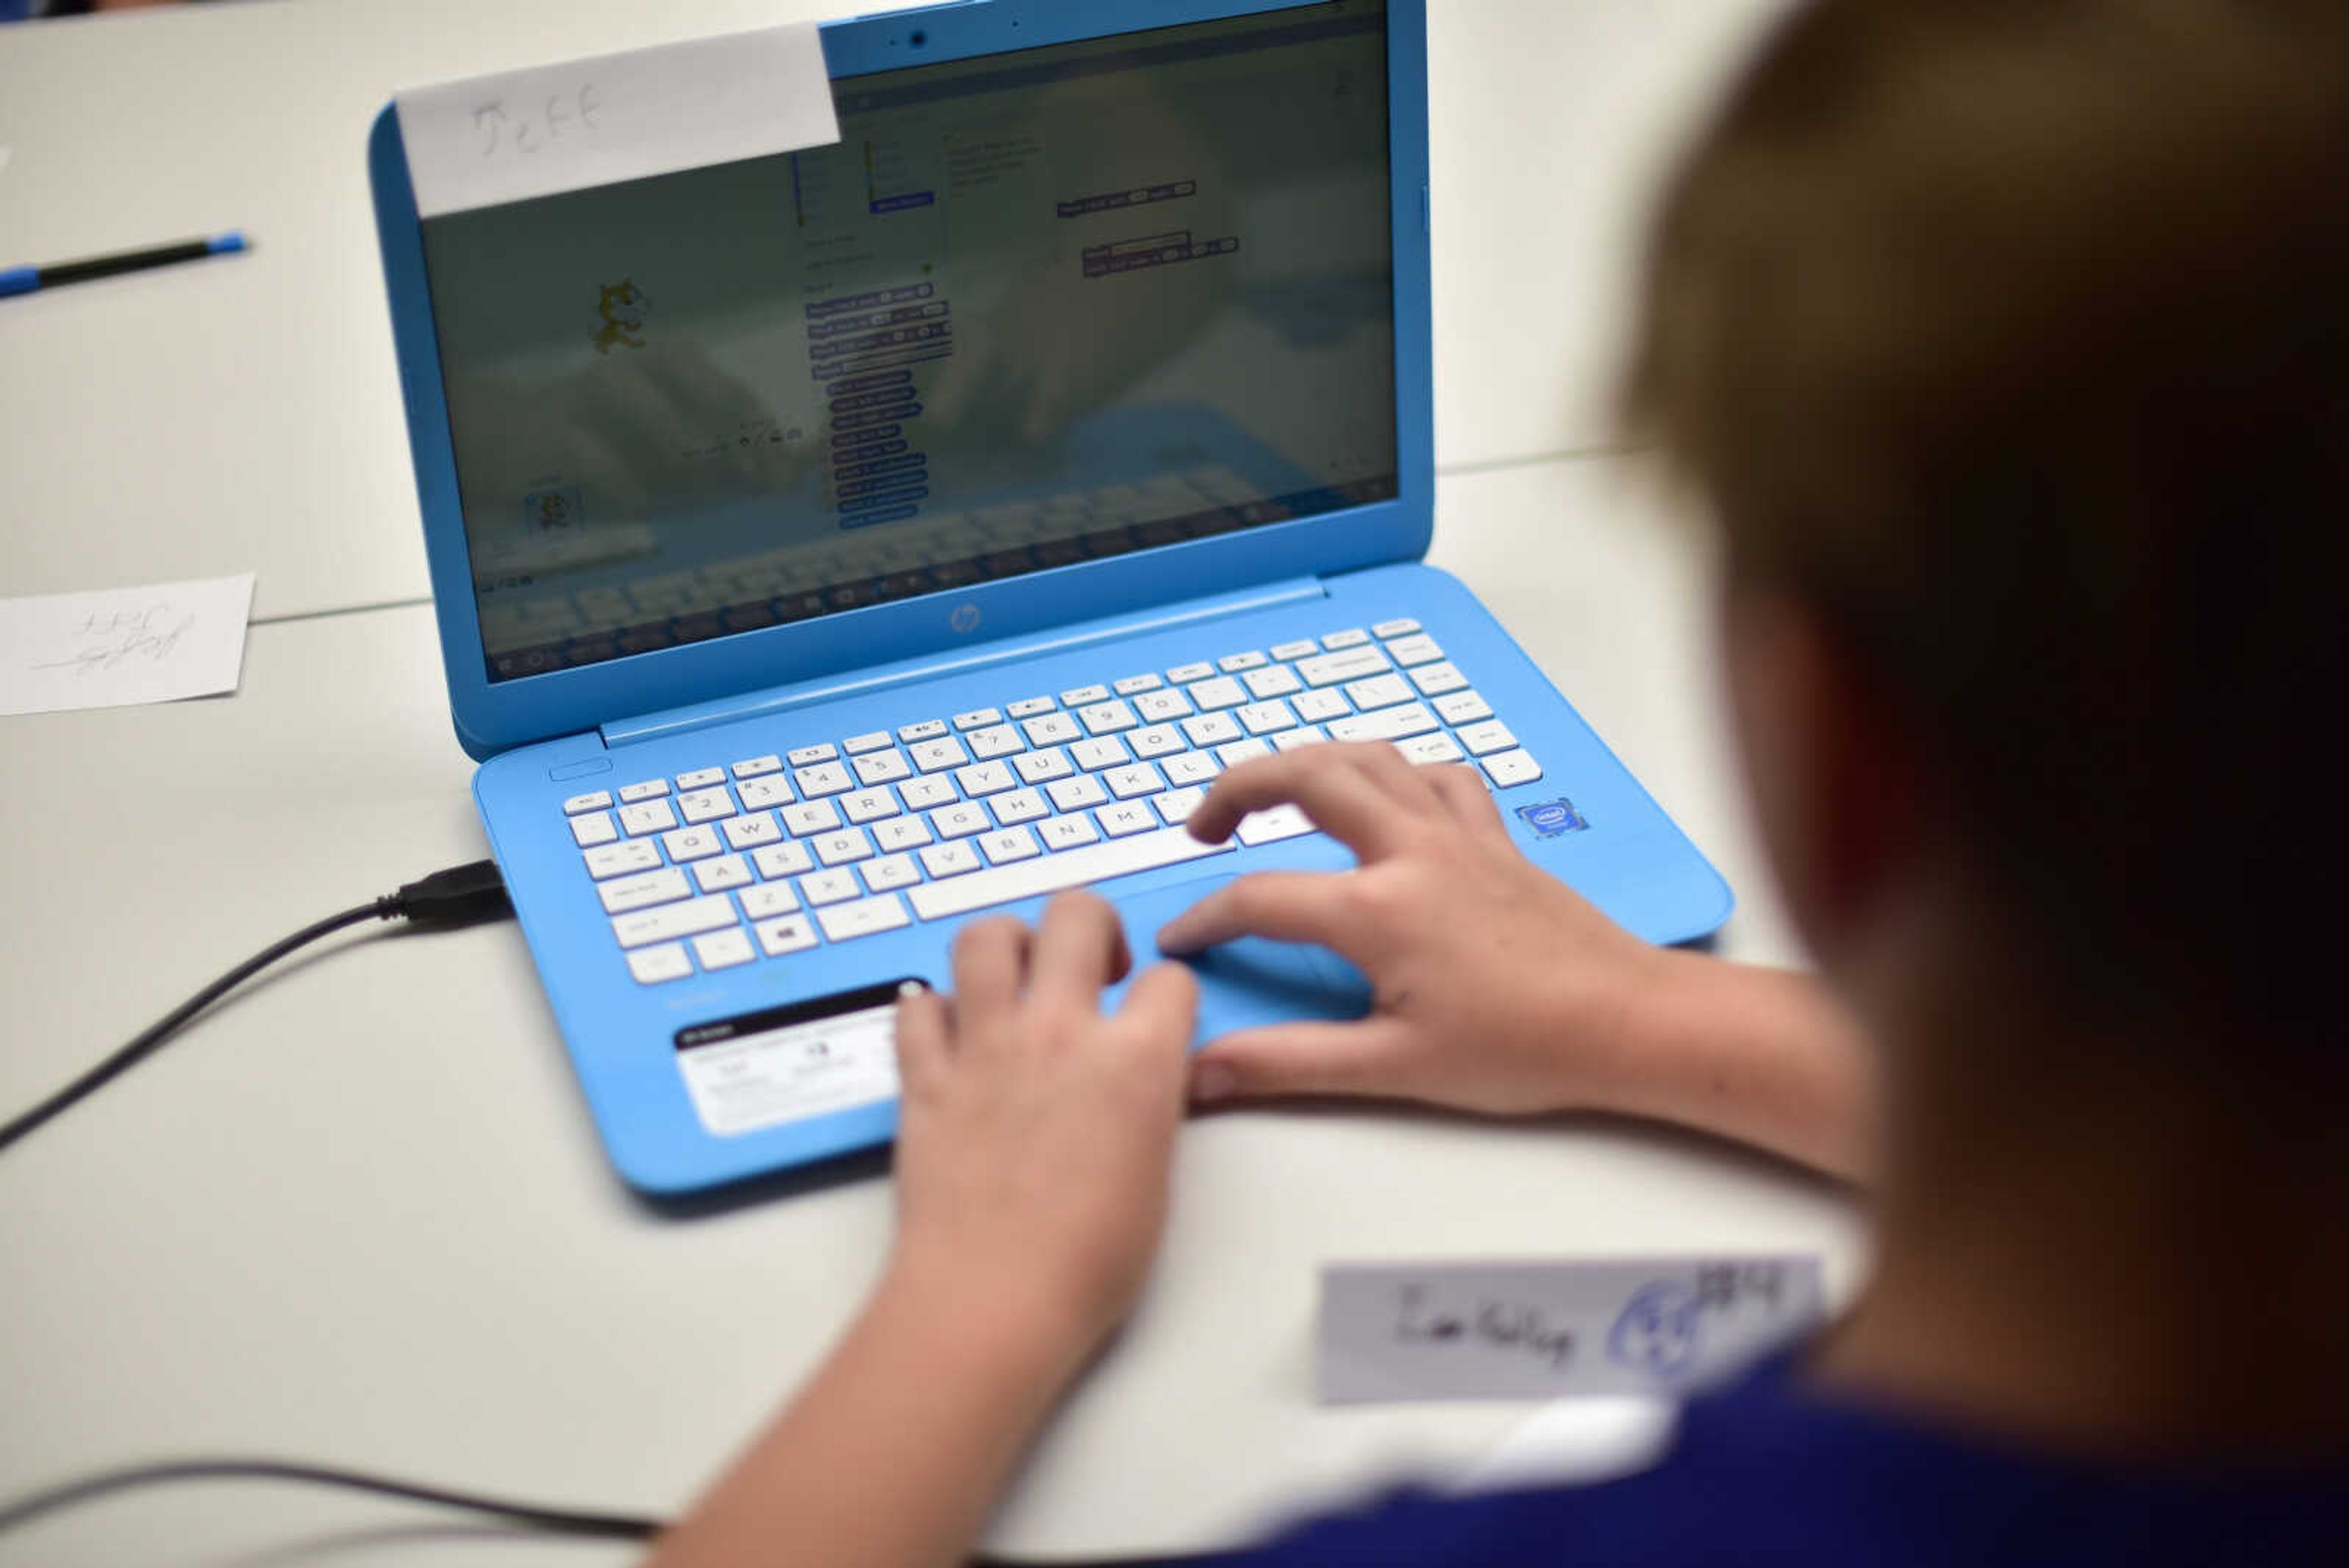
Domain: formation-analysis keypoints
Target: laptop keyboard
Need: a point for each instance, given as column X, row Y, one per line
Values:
column 770, row 856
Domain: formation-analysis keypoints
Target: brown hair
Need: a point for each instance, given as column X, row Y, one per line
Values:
column 2013, row 337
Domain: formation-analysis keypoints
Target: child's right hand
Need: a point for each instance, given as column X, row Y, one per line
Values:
column 1496, row 988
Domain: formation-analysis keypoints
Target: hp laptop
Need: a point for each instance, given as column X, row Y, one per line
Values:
column 834, row 546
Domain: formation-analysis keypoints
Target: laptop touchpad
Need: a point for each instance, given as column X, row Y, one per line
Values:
column 1250, row 982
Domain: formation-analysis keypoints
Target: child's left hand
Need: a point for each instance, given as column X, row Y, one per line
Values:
column 1035, row 1136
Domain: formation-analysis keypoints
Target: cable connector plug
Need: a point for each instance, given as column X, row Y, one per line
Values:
column 458, row 896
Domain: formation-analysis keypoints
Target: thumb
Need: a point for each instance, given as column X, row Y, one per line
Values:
column 1369, row 1057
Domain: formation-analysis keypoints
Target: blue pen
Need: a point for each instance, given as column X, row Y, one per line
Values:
column 25, row 279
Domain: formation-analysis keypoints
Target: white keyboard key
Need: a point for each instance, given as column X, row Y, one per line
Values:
column 1156, row 740
column 1321, row 707
column 1379, row 691
column 706, row 804
column 1232, row 753
column 1353, row 638
column 692, row 844
column 830, row 887
column 1403, row 627
column 901, row 833
column 1190, row 768
column 1410, row 651
column 1069, row 832
column 871, row 740
column 960, row 820
column 1296, row 739
column 1019, row 805
column 1386, row 725
column 619, row 859
column 927, row 730
column 791, row 935
column 1008, row 845
column 1485, row 738
column 594, row 829
column 1133, row 685
column 1462, row 708
column 650, row 790
column 1212, row 729
column 1435, row 680
column 808, row 755
column 985, row 779
column 1107, row 718
column 718, row 874
column 1135, row 779
column 1233, row 664
column 1042, row 767
column 1427, row 750
column 1270, row 826
column 762, row 792
column 758, row 767
column 870, row 805
column 1508, row 768
column 1076, row 794
column 1159, row 706
column 840, row 848
column 1101, row 752
column 647, row 817
column 979, row 719
column 890, row 872
column 1126, row 817
column 882, row 767
column 723, row 950
column 1334, row 668
column 599, row 801
column 1223, row 691
column 920, row 795
column 1052, row 730
column 1184, row 674
column 1082, row 695
column 949, row 859
column 1272, row 680
column 1029, row 706
column 1264, row 718
column 936, row 756
column 1071, row 868
column 750, row 832
column 811, row 817
column 1176, row 807
column 824, row 779
column 779, row 861
column 666, row 886
column 848, row 921
column 653, row 965
column 671, row 921
column 701, row 779
column 1304, row 648
column 769, row 900
column 1000, row 741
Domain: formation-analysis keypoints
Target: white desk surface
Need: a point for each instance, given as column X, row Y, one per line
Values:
column 243, row 414
column 358, row 1214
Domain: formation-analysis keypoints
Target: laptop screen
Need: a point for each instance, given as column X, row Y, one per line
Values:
column 1034, row 308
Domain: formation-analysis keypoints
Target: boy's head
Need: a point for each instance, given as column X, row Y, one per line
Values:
column 2008, row 340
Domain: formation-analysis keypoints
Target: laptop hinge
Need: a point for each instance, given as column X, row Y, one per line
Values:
column 962, row 661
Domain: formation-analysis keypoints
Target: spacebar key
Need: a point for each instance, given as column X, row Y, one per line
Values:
column 1068, row 868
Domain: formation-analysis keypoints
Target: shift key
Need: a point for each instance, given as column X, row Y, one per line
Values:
column 711, row 912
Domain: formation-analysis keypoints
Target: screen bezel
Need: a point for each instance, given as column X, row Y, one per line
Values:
column 494, row 716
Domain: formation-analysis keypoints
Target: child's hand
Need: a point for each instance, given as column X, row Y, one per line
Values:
column 1035, row 1135
column 1496, row 988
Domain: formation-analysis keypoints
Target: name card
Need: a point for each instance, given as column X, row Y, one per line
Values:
column 1401, row 1332
column 596, row 121
column 123, row 646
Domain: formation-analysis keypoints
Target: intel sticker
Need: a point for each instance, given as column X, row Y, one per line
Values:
column 1549, row 818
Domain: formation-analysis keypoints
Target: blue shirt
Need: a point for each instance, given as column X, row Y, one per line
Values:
column 1772, row 1473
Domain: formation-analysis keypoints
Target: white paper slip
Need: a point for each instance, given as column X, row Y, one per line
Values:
column 1396, row 1332
column 596, row 121
column 122, row 646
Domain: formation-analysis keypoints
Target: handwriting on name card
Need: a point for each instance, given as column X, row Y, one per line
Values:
column 522, row 128
column 123, row 646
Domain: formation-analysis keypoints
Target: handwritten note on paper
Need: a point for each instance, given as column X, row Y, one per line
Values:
column 121, row 646
column 565, row 126
column 1394, row 1332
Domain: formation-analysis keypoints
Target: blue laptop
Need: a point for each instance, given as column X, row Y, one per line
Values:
column 834, row 546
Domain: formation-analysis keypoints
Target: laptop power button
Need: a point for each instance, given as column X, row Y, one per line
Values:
column 585, row 768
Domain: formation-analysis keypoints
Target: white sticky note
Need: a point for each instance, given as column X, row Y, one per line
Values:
column 1394, row 1332
column 565, row 126
column 122, row 646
